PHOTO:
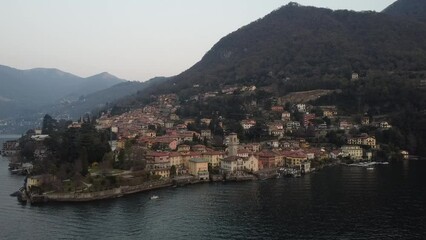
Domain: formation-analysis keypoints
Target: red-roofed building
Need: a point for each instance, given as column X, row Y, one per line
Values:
column 266, row 159
column 247, row 124
column 278, row 109
column 157, row 160
column 243, row 153
column 294, row 158
column 168, row 142
column 307, row 118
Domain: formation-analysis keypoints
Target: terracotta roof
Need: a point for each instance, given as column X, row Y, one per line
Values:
column 199, row 146
column 199, row 160
column 174, row 154
column 243, row 151
column 214, row 153
column 266, row 154
column 158, row 154
column 294, row 154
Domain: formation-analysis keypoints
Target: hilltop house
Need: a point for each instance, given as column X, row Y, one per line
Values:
column 307, row 118
column 206, row 134
column 278, row 109
column 248, row 123
column 329, row 111
column 364, row 140
column 285, row 116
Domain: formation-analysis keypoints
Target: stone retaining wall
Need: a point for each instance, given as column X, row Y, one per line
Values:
column 112, row 193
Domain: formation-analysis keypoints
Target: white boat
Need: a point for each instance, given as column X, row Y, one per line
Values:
column 154, row 197
column 370, row 168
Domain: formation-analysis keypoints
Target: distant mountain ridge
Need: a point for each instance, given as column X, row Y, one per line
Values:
column 100, row 99
column 25, row 91
column 93, row 83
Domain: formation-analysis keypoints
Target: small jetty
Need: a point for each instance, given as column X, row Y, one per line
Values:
column 289, row 172
column 20, row 168
column 367, row 164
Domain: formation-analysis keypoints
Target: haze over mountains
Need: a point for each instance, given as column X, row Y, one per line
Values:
column 26, row 92
column 96, row 101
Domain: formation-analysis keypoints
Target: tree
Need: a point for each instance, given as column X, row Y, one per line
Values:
column 84, row 162
column 173, row 171
column 49, row 124
column 121, row 158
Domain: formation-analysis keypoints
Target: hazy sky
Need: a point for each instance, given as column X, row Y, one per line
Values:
column 132, row 39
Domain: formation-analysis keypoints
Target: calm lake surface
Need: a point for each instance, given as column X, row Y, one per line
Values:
column 337, row 203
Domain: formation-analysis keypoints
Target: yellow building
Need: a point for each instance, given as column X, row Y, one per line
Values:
column 294, row 158
column 120, row 144
column 213, row 157
column 199, row 168
column 184, row 148
column 405, row 155
column 39, row 180
column 164, row 173
column 352, row 151
column 176, row 159
column 364, row 140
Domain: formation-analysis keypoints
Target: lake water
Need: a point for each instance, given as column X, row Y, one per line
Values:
column 337, row 203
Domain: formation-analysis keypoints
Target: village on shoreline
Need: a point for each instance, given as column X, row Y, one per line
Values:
column 153, row 147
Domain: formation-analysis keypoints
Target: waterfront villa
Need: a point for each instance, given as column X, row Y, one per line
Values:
column 294, row 158
column 199, row 168
column 233, row 164
column 354, row 152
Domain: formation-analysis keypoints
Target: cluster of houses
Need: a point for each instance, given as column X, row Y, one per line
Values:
column 10, row 148
column 175, row 146
column 235, row 160
column 287, row 122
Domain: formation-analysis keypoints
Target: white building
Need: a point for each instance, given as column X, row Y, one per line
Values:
column 247, row 124
column 352, row 151
column 293, row 125
column 234, row 164
column 385, row 125
column 301, row 107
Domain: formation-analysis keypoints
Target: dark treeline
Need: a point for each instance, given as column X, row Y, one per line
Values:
column 69, row 150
